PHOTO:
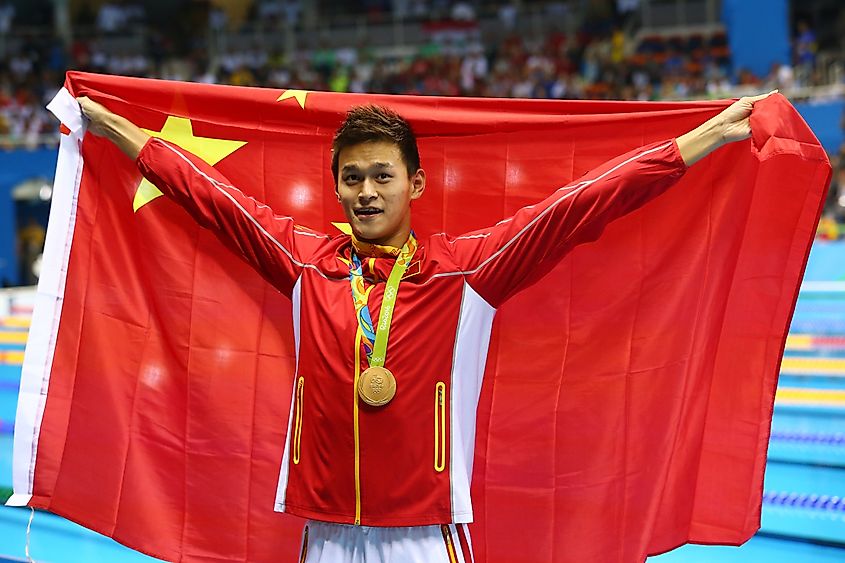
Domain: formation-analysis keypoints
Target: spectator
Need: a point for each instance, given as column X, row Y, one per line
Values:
column 805, row 45
column 7, row 16
column 292, row 11
column 462, row 11
column 780, row 77
column 112, row 18
column 508, row 12
column 474, row 67
column 31, row 244
column 805, row 53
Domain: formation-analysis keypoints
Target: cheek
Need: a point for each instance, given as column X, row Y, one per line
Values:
column 396, row 203
column 344, row 197
column 399, row 196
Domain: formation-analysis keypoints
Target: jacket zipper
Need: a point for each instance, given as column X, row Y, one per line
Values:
column 439, row 426
column 297, row 429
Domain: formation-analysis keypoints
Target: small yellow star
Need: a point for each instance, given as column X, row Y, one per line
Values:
column 298, row 95
column 178, row 131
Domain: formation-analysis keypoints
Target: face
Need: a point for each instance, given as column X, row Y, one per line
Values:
column 375, row 191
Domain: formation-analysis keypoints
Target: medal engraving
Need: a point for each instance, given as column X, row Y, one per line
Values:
column 376, row 386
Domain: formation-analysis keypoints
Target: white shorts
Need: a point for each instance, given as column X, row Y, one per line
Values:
column 323, row 542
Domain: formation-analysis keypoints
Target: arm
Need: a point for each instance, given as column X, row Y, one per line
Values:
column 272, row 244
column 499, row 261
column 729, row 126
column 126, row 135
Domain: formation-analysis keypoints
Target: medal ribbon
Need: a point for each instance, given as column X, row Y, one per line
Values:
column 375, row 338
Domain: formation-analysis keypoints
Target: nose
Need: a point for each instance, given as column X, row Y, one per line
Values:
column 368, row 191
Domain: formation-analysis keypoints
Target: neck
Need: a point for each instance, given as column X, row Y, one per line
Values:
column 396, row 240
column 390, row 246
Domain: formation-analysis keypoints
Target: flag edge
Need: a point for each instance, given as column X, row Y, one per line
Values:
column 46, row 317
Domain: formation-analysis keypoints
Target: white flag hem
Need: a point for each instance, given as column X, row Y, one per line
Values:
column 41, row 342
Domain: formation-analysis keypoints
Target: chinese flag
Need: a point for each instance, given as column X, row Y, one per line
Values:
column 628, row 394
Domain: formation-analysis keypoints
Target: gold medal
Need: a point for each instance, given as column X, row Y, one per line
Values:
column 376, row 386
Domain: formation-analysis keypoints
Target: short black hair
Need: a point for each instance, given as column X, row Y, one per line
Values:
column 368, row 123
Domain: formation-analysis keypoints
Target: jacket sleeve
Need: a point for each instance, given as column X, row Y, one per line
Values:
column 499, row 261
column 272, row 244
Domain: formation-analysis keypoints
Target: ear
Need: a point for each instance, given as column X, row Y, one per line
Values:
column 417, row 184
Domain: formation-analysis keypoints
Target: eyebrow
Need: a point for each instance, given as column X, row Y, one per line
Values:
column 375, row 165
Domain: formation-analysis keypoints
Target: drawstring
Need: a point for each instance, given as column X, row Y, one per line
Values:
column 28, row 528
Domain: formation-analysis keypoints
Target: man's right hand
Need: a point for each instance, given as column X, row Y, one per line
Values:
column 104, row 123
column 96, row 113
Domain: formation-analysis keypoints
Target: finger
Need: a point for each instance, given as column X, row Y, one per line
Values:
column 83, row 102
column 753, row 99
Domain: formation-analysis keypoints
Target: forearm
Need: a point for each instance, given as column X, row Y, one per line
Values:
column 127, row 136
column 701, row 141
column 732, row 124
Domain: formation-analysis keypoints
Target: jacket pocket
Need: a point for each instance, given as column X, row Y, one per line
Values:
column 439, row 426
column 297, row 423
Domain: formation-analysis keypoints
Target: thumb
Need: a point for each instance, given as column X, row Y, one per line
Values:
column 753, row 99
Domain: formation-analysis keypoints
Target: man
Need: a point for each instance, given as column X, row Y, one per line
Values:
column 381, row 428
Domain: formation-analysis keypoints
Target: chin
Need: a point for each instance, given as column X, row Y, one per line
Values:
column 368, row 232
column 369, row 236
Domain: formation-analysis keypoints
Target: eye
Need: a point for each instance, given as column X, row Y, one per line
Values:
column 384, row 177
column 351, row 179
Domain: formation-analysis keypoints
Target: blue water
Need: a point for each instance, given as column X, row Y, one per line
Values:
column 758, row 549
column 819, row 314
column 56, row 540
column 826, row 262
column 5, row 462
column 811, row 381
column 817, row 353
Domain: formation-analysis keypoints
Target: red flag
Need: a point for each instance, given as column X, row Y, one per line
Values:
column 627, row 396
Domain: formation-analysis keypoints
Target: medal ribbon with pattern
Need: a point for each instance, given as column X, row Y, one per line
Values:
column 375, row 338
column 377, row 385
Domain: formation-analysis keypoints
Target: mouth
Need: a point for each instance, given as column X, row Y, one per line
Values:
column 367, row 212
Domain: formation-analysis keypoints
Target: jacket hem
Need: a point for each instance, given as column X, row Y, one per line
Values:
column 376, row 521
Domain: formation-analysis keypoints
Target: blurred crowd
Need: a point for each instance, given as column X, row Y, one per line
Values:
column 598, row 59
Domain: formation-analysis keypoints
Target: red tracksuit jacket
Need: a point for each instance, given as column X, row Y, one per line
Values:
column 409, row 462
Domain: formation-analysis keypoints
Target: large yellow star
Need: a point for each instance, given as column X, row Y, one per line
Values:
column 178, row 131
column 298, row 95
